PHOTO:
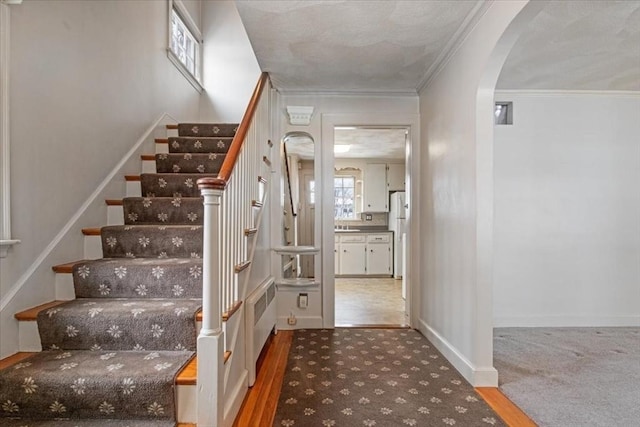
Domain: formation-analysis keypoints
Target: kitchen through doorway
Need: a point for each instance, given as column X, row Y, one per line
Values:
column 369, row 225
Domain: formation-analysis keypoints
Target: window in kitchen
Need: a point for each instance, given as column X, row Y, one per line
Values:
column 344, row 195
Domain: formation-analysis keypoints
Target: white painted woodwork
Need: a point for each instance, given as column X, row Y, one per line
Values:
column 375, row 188
column 395, row 177
column 186, row 405
column 133, row 189
column 115, row 215
column 92, row 247
column 28, row 336
column 149, row 166
column 65, row 290
column 353, row 258
column 378, row 258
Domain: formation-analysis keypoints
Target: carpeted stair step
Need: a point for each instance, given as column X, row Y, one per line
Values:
column 169, row 210
column 120, row 324
column 93, row 385
column 188, row 162
column 152, row 241
column 138, row 278
column 171, row 184
column 87, row 423
column 207, row 129
column 191, row 144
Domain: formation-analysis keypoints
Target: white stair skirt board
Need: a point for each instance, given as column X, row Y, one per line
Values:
column 115, row 215
column 92, row 247
column 64, row 287
column 187, row 411
column 149, row 166
column 260, row 321
column 134, row 189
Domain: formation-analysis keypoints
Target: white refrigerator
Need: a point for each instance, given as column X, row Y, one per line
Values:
column 397, row 215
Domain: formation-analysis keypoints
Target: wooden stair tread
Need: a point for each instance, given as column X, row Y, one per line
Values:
column 92, row 231
column 172, row 126
column 31, row 314
column 113, row 202
column 242, row 266
column 148, row 157
column 234, row 308
column 162, row 140
column 13, row 359
column 256, row 204
column 132, row 178
column 67, row 267
column 189, row 374
column 250, row 231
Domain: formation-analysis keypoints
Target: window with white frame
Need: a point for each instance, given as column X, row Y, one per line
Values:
column 184, row 44
column 344, row 193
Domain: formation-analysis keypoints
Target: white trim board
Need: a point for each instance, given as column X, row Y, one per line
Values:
column 477, row 376
column 568, row 321
column 164, row 118
column 565, row 93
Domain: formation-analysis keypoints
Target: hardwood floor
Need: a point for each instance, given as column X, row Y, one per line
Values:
column 259, row 406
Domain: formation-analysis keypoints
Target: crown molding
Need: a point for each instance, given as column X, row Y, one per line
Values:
column 454, row 42
column 335, row 93
column 567, row 92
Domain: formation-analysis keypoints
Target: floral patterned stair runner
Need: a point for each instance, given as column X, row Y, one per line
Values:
column 112, row 354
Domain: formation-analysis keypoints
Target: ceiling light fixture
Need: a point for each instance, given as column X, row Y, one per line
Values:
column 341, row 148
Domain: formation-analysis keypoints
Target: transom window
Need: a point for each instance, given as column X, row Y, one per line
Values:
column 344, row 194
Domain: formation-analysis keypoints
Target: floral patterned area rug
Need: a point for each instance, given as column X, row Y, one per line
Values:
column 375, row 377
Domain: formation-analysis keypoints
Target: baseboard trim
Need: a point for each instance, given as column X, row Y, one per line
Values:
column 233, row 401
column 565, row 321
column 477, row 376
column 74, row 220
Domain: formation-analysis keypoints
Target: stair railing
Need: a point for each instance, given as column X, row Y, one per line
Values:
column 227, row 213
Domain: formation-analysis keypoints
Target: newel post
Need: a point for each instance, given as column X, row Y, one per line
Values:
column 211, row 338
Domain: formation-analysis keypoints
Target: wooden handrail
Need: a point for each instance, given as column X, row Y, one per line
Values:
column 230, row 159
column 286, row 163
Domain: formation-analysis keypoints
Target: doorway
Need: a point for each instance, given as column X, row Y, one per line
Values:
column 369, row 169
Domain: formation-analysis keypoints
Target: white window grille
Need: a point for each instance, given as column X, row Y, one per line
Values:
column 344, row 192
column 184, row 45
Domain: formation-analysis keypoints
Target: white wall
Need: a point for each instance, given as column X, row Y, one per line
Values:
column 567, row 211
column 456, row 186
column 231, row 69
column 87, row 79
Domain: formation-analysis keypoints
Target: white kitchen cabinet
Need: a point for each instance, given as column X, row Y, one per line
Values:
column 361, row 254
column 352, row 258
column 395, row 177
column 379, row 254
column 376, row 195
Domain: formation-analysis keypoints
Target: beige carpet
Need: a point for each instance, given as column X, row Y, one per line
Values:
column 571, row 377
column 369, row 301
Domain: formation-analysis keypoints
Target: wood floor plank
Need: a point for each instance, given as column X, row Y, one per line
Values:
column 255, row 412
column 505, row 408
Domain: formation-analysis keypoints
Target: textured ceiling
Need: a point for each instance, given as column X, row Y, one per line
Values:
column 366, row 46
column 388, row 46
column 365, row 143
column 578, row 45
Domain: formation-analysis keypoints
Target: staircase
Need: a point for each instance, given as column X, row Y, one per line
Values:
column 115, row 350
